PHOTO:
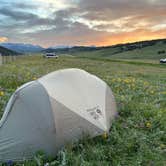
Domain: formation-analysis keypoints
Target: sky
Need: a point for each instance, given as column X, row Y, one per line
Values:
column 81, row 22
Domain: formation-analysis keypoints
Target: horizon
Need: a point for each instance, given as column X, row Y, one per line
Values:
column 81, row 22
column 71, row 46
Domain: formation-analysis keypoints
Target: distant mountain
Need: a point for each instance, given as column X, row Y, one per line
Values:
column 59, row 47
column 22, row 48
column 5, row 51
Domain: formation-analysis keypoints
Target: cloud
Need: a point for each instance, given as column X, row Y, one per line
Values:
column 137, row 35
column 3, row 39
column 24, row 6
column 82, row 22
column 16, row 15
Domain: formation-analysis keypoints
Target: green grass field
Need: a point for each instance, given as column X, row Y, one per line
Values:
column 137, row 137
column 149, row 52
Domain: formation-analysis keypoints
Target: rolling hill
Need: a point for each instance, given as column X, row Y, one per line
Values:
column 154, row 49
column 5, row 51
column 22, row 48
column 140, row 50
column 70, row 50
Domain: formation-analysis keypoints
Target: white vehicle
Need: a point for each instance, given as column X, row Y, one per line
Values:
column 50, row 55
column 163, row 60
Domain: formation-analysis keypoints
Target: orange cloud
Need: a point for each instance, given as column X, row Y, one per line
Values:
column 127, row 37
column 3, row 39
column 106, row 38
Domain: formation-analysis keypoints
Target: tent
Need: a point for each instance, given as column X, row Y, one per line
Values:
column 54, row 110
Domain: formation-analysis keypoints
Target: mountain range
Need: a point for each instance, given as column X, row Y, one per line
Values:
column 152, row 48
column 22, row 48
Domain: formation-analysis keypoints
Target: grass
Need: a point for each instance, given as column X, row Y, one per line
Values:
column 149, row 52
column 137, row 136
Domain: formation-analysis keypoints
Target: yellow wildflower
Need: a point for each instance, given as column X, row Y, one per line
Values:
column 34, row 78
column 148, row 125
column 1, row 93
column 146, row 83
column 152, row 92
column 105, row 135
column 164, row 93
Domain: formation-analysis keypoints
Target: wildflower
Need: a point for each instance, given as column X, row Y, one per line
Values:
column 105, row 135
column 148, row 125
column 152, row 92
column 146, row 83
column 34, row 78
column 1, row 93
column 162, row 146
column 127, row 81
column 119, row 79
column 164, row 93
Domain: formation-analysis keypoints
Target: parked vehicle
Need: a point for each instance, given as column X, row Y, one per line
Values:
column 163, row 60
column 50, row 55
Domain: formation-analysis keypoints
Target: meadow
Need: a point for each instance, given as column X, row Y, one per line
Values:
column 137, row 136
column 149, row 53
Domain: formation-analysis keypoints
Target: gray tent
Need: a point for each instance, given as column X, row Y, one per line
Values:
column 56, row 109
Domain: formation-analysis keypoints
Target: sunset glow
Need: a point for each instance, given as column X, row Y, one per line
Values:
column 81, row 22
column 3, row 39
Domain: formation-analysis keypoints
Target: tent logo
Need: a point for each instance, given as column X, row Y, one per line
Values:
column 95, row 112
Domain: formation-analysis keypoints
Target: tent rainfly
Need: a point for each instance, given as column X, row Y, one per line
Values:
column 54, row 110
